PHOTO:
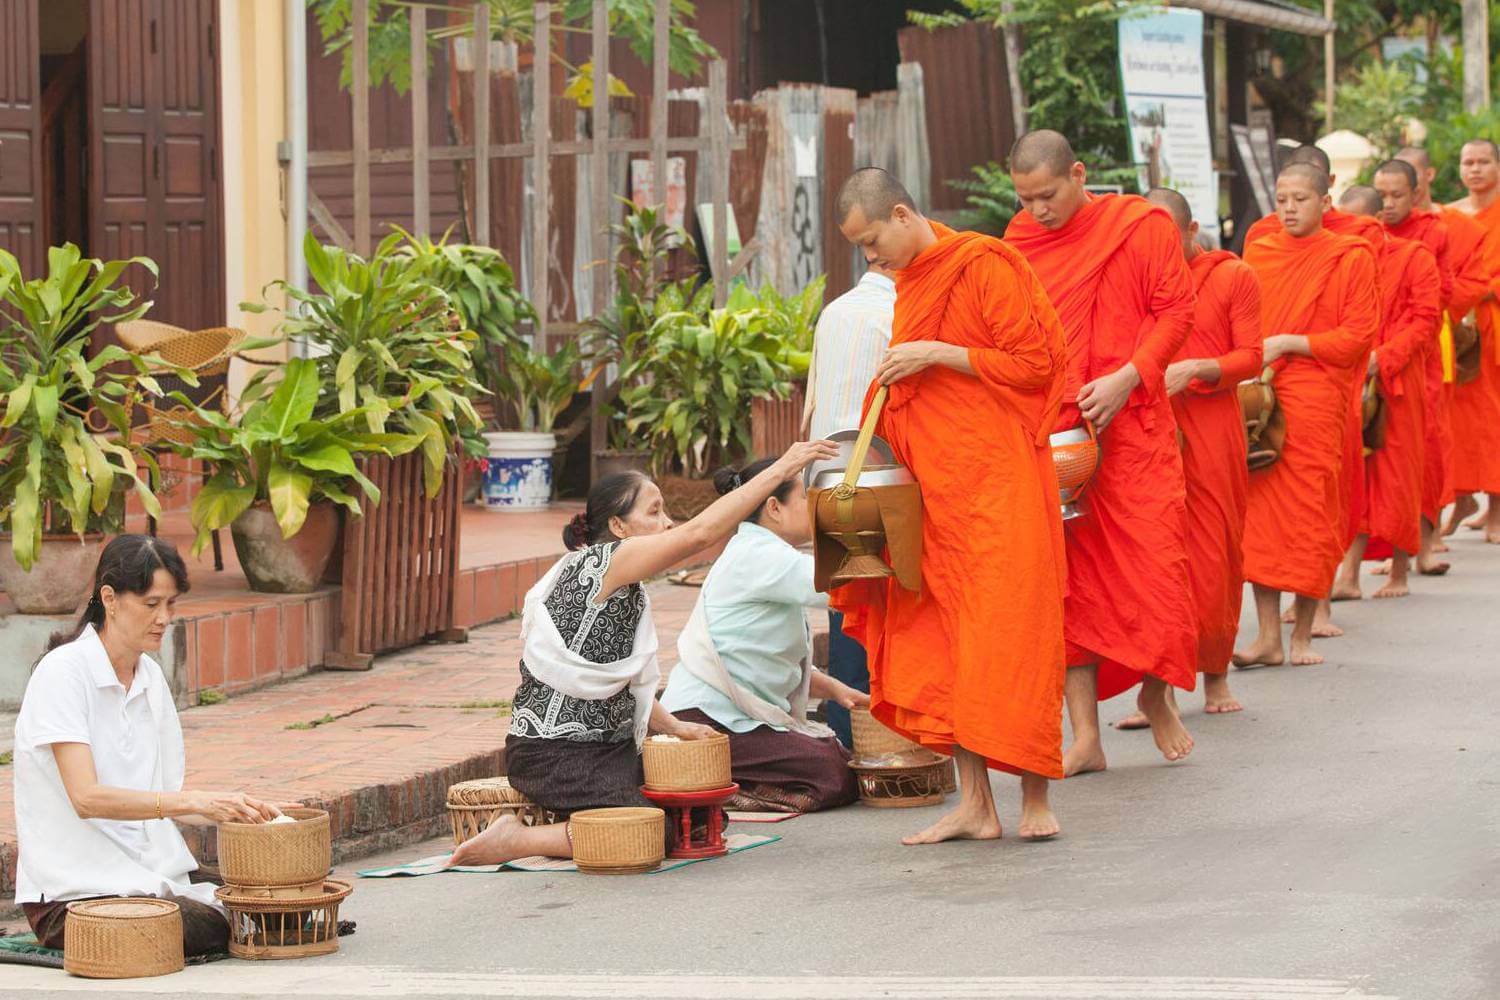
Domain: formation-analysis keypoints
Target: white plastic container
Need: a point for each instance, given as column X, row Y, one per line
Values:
column 518, row 473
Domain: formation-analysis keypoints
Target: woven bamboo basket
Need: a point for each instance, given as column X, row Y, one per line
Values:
column 624, row 841
column 276, row 854
column 122, row 938
column 687, row 765
column 283, row 928
column 873, row 739
column 305, row 890
column 474, row 805
column 902, row 781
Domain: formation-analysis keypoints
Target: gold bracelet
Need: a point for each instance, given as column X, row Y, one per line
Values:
column 158, row 806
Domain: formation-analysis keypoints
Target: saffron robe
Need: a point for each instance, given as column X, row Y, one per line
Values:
column 1118, row 278
column 1411, row 310
column 1323, row 287
column 1475, row 412
column 976, row 659
column 1226, row 328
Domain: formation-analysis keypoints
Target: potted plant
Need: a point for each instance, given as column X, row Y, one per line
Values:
column 535, row 389
column 66, row 461
column 277, row 474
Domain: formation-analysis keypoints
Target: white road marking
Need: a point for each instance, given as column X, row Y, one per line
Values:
column 298, row 978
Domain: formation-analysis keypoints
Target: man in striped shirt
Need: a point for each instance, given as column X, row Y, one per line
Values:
column 854, row 332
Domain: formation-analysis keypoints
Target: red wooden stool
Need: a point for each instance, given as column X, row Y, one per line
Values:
column 681, row 807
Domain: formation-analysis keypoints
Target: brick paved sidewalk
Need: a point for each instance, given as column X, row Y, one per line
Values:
column 378, row 750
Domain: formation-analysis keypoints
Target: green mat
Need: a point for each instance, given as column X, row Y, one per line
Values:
column 736, row 842
column 22, row 949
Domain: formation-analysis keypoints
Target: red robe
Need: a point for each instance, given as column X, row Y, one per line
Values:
column 1321, row 286
column 1411, row 294
column 1227, row 328
column 1475, row 412
column 976, row 659
column 1118, row 278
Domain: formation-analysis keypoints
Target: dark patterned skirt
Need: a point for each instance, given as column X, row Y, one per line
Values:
column 564, row 776
column 784, row 772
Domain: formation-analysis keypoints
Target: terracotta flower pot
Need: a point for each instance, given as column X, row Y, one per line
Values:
column 276, row 565
column 60, row 578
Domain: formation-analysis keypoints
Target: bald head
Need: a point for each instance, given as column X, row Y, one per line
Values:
column 875, row 192
column 1182, row 213
column 1301, row 199
column 1361, row 200
column 1306, row 173
column 1485, row 144
column 1416, row 156
column 1309, row 155
column 1043, row 149
column 1401, row 169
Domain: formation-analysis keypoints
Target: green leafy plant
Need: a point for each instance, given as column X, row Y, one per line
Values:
column 390, row 342
column 57, row 474
column 1379, row 102
column 211, row 696
column 790, row 319
column 536, row 387
column 280, row 452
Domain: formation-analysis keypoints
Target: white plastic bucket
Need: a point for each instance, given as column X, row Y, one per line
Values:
column 518, row 473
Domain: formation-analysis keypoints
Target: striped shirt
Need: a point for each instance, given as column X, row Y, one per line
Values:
column 853, row 335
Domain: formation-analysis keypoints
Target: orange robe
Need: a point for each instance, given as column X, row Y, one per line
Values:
column 1120, row 283
column 1475, row 412
column 1226, row 327
column 1411, row 309
column 975, row 660
column 1321, row 286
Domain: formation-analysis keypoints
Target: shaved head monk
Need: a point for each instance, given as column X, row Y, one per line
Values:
column 1321, row 315
column 972, row 666
column 1113, row 267
column 1223, row 350
column 1476, row 405
column 1309, row 155
column 1411, row 309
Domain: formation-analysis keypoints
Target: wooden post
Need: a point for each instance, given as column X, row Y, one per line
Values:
column 599, row 159
column 481, row 235
column 1328, row 70
column 421, row 193
column 718, row 181
column 659, row 100
column 541, row 134
column 1012, row 36
column 1476, row 38
column 359, row 92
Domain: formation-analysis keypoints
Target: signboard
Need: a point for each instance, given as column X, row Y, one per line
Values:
column 1166, row 105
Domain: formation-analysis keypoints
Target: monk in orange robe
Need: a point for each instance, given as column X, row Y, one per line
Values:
column 973, row 665
column 1411, row 306
column 1321, row 313
column 1114, row 270
column 1476, row 405
column 1222, row 351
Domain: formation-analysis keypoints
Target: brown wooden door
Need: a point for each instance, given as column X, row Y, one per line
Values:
column 154, row 165
column 20, row 135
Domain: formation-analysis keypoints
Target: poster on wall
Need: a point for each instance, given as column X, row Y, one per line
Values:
column 643, row 188
column 1166, row 105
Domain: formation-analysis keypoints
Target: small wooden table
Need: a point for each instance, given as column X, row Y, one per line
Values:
column 681, row 808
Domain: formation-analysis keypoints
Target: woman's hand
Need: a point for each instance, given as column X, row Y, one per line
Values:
column 802, row 454
column 692, row 731
column 232, row 807
column 849, row 698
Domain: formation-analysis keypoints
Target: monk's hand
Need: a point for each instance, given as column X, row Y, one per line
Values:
column 1181, row 374
column 906, row 360
column 1104, row 397
column 1373, row 368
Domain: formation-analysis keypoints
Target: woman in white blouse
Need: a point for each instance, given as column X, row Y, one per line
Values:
column 99, row 760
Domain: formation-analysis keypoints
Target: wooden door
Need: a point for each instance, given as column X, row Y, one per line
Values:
column 154, row 174
column 20, row 135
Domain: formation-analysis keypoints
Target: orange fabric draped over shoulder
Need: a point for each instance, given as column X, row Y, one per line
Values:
column 1227, row 328
column 1117, row 276
column 976, row 659
column 1475, row 412
column 1323, row 287
column 1411, row 313
column 1352, row 496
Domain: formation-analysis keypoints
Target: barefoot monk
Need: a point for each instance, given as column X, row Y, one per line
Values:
column 1321, row 314
column 1114, row 269
column 973, row 665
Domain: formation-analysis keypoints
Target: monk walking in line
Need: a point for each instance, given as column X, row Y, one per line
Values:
column 1321, row 312
column 1113, row 267
column 1222, row 351
column 1411, row 296
column 973, row 665
column 1476, row 405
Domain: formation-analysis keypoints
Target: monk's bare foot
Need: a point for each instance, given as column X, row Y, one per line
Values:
column 1438, row 545
column 1323, row 626
column 494, row 845
column 1493, row 537
column 961, row 824
column 1172, row 737
column 1393, row 589
column 1216, row 697
column 1463, row 506
column 1085, row 755
column 1302, row 653
column 1433, row 567
column 1135, row 720
column 1345, row 591
column 1038, row 822
column 1382, row 569
column 1476, row 523
column 1264, row 653
column 1289, row 616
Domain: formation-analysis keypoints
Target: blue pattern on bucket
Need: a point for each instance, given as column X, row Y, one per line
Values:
column 517, row 483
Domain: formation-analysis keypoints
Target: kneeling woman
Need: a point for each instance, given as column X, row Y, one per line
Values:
column 99, row 761
column 589, row 668
column 745, row 661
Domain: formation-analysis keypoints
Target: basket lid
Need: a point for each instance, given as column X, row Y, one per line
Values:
column 300, row 814
column 484, row 791
column 134, row 908
column 617, row 815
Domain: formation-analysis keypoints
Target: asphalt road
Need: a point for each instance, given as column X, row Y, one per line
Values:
column 1337, row 839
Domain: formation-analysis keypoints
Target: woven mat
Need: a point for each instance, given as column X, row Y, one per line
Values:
column 437, row 863
column 22, row 949
column 741, row 816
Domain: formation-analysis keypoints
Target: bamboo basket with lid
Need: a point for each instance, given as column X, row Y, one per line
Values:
column 123, row 938
column 687, row 765
column 474, row 805
column 872, row 740
column 619, row 841
column 280, row 855
column 902, row 780
column 284, row 928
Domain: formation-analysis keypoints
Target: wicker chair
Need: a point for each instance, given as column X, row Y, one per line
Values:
column 206, row 353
